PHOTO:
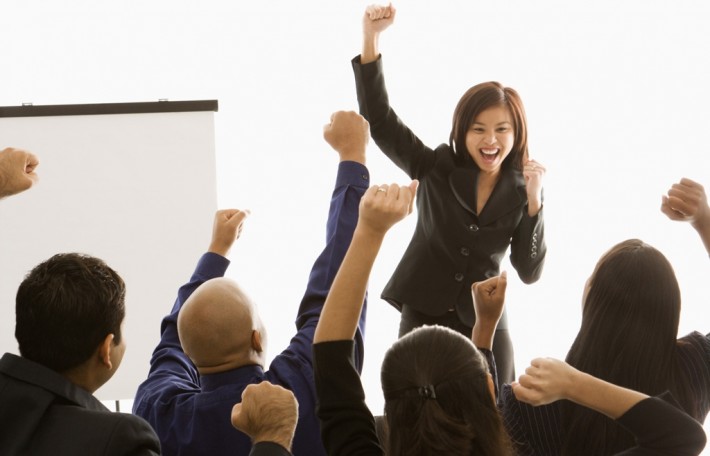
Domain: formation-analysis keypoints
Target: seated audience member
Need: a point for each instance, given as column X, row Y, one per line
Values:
column 268, row 415
column 628, row 336
column 17, row 171
column 213, row 343
column 68, row 325
column 439, row 395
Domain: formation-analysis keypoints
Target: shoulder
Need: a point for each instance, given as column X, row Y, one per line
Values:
column 443, row 162
column 132, row 433
column 78, row 427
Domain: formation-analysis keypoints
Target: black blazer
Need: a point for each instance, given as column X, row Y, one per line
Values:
column 43, row 413
column 452, row 245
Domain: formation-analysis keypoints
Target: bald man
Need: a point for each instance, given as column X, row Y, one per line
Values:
column 192, row 387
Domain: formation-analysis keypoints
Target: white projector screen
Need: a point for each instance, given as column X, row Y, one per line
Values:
column 131, row 183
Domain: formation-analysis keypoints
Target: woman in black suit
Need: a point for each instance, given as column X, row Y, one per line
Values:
column 478, row 195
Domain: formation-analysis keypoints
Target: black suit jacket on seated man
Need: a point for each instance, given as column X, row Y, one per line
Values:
column 41, row 412
column 69, row 314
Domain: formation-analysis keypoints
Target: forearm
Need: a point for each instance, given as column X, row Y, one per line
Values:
column 534, row 206
column 603, row 397
column 483, row 333
column 528, row 248
column 703, row 229
column 343, row 305
column 370, row 48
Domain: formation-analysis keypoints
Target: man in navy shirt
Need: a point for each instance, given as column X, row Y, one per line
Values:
column 191, row 388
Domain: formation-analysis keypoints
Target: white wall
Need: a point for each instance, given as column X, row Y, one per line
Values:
column 615, row 93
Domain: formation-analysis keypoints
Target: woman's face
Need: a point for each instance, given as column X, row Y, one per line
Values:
column 490, row 138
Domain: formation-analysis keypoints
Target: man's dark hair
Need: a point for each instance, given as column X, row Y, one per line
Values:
column 65, row 308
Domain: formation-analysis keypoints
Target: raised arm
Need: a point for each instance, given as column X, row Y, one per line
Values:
column 488, row 302
column 658, row 426
column 17, row 171
column 548, row 380
column 390, row 133
column 533, row 172
column 686, row 202
column 376, row 19
column 381, row 207
column 170, row 367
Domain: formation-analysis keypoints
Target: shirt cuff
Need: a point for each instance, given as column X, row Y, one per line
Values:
column 268, row 449
column 351, row 173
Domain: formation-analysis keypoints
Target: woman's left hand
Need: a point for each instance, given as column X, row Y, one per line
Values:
column 533, row 173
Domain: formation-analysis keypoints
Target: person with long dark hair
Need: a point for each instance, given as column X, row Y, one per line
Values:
column 628, row 336
column 479, row 195
column 438, row 385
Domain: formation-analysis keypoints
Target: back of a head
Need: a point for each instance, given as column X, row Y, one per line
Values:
column 215, row 326
column 65, row 308
column 627, row 337
column 437, row 398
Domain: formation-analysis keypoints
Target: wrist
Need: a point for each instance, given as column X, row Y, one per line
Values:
column 534, row 206
column 353, row 154
column 370, row 51
column 278, row 436
column 482, row 334
column 577, row 385
column 219, row 250
column 369, row 235
column 701, row 224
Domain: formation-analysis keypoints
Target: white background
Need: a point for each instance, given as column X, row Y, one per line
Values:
column 616, row 95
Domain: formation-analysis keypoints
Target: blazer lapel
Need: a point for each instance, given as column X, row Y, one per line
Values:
column 463, row 183
column 508, row 194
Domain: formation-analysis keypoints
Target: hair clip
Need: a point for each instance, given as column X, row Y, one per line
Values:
column 427, row 391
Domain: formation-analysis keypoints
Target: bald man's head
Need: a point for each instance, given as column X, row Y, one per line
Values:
column 219, row 327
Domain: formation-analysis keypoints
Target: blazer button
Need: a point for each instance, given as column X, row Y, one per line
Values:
column 533, row 255
column 464, row 251
column 458, row 277
column 473, row 228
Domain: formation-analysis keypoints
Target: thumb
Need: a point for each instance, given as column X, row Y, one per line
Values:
column 502, row 282
column 237, row 415
column 239, row 216
column 413, row 186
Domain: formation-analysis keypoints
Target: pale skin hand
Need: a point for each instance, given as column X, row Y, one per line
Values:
column 488, row 302
column 548, row 380
column 267, row 413
column 687, row 202
column 17, row 171
column 226, row 229
column 533, row 172
column 384, row 205
column 348, row 133
column 376, row 19
column 380, row 208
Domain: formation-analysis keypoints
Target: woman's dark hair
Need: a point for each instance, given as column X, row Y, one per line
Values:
column 65, row 308
column 628, row 337
column 437, row 398
column 476, row 100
